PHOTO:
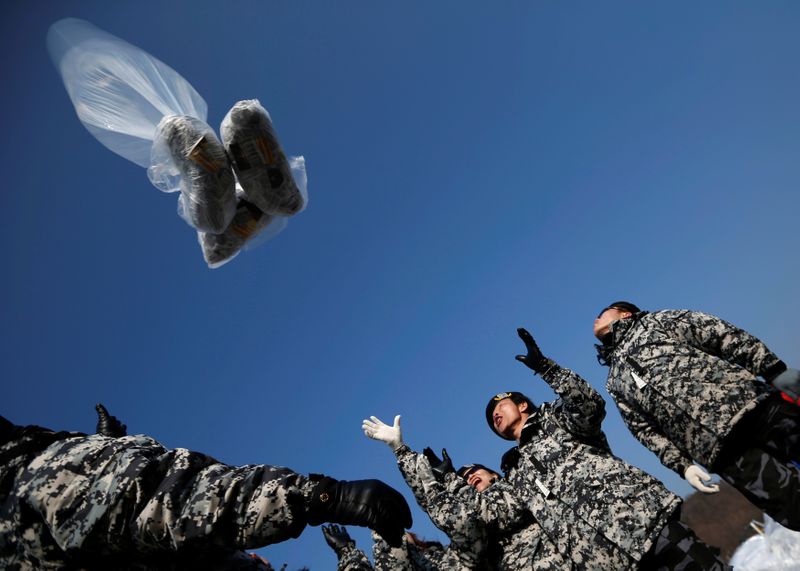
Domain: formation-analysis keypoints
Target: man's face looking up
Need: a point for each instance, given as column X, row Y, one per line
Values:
column 606, row 318
column 507, row 415
column 480, row 479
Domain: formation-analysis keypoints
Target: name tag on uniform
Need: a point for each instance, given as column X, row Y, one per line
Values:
column 542, row 487
column 640, row 383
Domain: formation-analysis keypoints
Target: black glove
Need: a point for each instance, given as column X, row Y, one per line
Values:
column 337, row 537
column 439, row 467
column 368, row 503
column 108, row 425
column 534, row 359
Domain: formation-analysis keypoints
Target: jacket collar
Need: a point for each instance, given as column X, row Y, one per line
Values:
column 531, row 427
column 618, row 330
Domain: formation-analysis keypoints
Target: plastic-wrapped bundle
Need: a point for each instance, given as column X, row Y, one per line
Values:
column 776, row 549
column 258, row 160
column 208, row 199
column 250, row 226
column 248, row 221
column 121, row 95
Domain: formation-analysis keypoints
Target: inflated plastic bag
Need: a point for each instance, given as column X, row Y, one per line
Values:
column 258, row 160
column 125, row 98
column 144, row 111
column 776, row 549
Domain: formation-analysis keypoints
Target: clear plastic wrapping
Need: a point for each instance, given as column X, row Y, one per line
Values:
column 250, row 227
column 191, row 156
column 258, row 159
column 119, row 91
column 776, row 549
column 143, row 110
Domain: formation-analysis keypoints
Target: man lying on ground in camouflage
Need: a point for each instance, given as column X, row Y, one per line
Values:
column 601, row 511
column 487, row 525
column 686, row 385
column 107, row 502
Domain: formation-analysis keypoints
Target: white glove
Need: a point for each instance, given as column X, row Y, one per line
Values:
column 696, row 476
column 377, row 430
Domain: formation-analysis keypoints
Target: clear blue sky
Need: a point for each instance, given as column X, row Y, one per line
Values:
column 472, row 167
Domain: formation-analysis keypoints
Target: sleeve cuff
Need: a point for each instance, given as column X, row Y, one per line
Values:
column 774, row 370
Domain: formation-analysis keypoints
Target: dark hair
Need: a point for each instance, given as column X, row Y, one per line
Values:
column 467, row 468
column 622, row 306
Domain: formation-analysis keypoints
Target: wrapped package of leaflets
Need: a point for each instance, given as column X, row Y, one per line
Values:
column 143, row 110
column 251, row 226
column 259, row 162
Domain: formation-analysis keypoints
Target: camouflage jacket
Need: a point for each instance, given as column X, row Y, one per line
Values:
column 683, row 379
column 352, row 558
column 74, row 501
column 406, row 557
column 411, row 557
column 488, row 530
column 467, row 535
column 601, row 511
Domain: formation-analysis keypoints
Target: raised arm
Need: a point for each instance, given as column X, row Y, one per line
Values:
column 177, row 498
column 583, row 406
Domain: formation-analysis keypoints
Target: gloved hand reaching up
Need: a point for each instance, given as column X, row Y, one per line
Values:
column 440, row 467
column 108, row 424
column 376, row 429
column 337, row 537
column 534, row 360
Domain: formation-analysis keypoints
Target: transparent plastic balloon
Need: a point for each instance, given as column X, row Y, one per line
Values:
column 119, row 91
column 143, row 110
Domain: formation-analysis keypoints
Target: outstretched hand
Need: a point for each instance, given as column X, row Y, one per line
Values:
column 698, row 478
column 108, row 424
column 376, row 429
column 440, row 467
column 337, row 537
column 534, row 360
column 368, row 503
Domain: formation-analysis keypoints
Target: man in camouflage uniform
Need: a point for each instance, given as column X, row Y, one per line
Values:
column 686, row 385
column 601, row 511
column 413, row 554
column 350, row 558
column 68, row 500
column 488, row 526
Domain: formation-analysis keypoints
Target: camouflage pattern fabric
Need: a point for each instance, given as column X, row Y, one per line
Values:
column 515, row 539
column 678, row 548
column 683, row 379
column 770, row 484
column 100, row 502
column 596, row 508
column 352, row 558
column 467, row 533
column 411, row 557
column 488, row 530
column 758, row 459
